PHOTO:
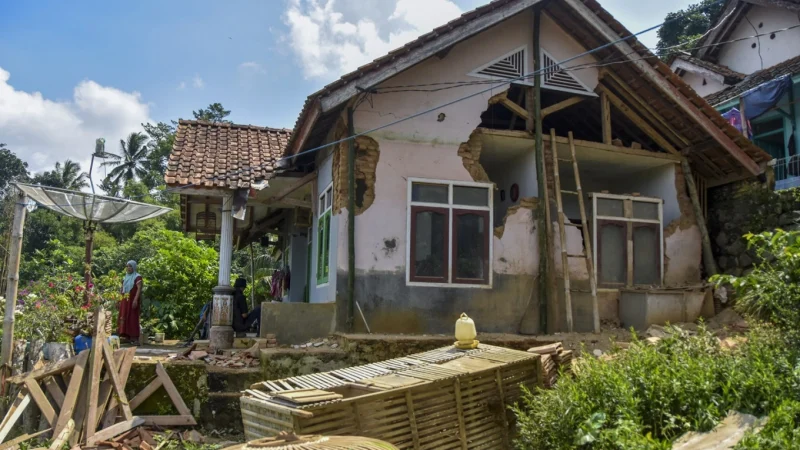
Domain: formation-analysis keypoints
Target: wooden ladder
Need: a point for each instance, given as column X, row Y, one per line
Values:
column 587, row 252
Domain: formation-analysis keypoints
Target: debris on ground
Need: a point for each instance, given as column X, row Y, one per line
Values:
column 554, row 360
column 724, row 436
column 93, row 410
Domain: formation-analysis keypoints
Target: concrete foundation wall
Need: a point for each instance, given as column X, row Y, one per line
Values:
column 296, row 323
column 640, row 309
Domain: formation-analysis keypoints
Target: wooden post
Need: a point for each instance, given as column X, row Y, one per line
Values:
column 708, row 256
column 252, row 279
column 743, row 117
column 605, row 115
column 87, row 266
column 534, row 124
column 14, row 255
column 351, row 222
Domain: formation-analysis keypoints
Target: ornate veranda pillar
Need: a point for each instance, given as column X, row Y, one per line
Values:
column 221, row 334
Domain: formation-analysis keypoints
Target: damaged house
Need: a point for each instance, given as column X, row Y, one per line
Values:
column 475, row 206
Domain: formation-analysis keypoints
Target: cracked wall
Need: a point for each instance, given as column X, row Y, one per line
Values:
column 682, row 240
column 367, row 156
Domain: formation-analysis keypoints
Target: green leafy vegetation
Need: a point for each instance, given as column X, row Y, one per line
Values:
column 686, row 26
column 781, row 432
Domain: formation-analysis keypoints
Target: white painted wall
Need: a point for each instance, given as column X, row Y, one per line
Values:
column 696, row 82
column 520, row 170
column 741, row 57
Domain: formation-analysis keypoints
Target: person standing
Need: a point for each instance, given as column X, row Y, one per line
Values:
column 243, row 318
column 129, row 307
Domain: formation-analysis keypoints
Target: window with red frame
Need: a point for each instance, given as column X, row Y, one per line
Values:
column 449, row 233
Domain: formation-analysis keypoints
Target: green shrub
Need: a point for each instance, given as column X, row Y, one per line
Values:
column 781, row 432
column 651, row 394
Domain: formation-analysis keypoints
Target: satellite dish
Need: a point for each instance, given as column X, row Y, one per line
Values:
column 92, row 209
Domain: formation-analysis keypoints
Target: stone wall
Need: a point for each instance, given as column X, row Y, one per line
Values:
column 746, row 207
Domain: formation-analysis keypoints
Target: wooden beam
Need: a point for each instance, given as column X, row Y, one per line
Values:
column 114, row 430
column 169, row 421
column 95, row 368
column 54, row 390
column 605, row 118
column 708, row 256
column 14, row 412
column 172, row 391
column 515, row 108
column 633, row 97
column 14, row 443
column 309, row 120
column 717, row 31
column 293, row 187
column 148, row 390
column 63, row 437
column 562, row 105
column 117, row 385
column 637, row 120
column 402, row 61
column 48, row 370
column 656, row 78
column 71, row 397
column 110, row 414
column 614, row 149
column 37, row 394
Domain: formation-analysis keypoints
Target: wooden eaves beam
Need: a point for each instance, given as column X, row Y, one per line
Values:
column 517, row 110
column 282, row 194
column 636, row 119
column 562, row 105
column 654, row 77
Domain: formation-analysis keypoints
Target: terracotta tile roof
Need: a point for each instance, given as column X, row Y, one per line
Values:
column 788, row 67
column 224, row 155
column 725, row 71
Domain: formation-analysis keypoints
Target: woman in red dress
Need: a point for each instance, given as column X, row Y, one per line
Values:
column 128, row 322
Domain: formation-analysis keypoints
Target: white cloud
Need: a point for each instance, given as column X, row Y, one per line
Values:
column 252, row 67
column 42, row 131
column 198, row 82
column 181, row 85
column 331, row 38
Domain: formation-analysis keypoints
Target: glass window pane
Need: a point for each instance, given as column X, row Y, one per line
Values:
column 646, row 256
column 321, row 204
column 327, row 262
column 472, row 196
column 328, row 199
column 610, row 207
column 645, row 210
column 471, row 258
column 429, row 244
column 611, row 253
column 429, row 193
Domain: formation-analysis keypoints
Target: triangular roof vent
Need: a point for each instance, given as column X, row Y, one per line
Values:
column 510, row 66
column 554, row 77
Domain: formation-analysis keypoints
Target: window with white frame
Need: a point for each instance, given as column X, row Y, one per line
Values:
column 449, row 233
column 628, row 236
column 324, row 235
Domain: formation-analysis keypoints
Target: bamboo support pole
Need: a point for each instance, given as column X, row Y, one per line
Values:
column 14, row 256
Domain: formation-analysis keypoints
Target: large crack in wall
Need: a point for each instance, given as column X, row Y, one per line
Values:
column 684, row 222
column 367, row 155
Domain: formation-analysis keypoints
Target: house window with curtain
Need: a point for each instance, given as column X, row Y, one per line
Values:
column 324, row 235
column 449, row 233
column 628, row 236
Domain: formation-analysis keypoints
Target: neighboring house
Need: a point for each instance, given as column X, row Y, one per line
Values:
column 730, row 66
column 447, row 204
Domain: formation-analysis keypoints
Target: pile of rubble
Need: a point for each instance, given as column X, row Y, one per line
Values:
column 318, row 343
column 236, row 359
column 555, row 360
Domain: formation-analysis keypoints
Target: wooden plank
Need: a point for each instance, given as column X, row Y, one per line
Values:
column 63, row 437
column 145, row 393
column 462, row 431
column 340, row 95
column 656, row 78
column 708, row 257
column 168, row 421
column 71, row 397
column 637, row 120
column 14, row 443
column 48, row 370
column 562, row 105
column 172, row 391
column 95, row 368
column 37, row 394
column 106, row 387
column 114, row 430
column 625, row 91
column 585, row 231
column 605, row 118
column 14, row 412
column 54, row 390
column 111, row 410
column 119, row 387
column 563, row 238
column 514, row 107
column 412, row 419
column 81, row 405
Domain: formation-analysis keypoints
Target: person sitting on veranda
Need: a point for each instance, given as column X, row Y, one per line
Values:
column 243, row 318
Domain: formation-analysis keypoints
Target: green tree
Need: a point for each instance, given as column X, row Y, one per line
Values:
column 214, row 113
column 66, row 176
column 11, row 169
column 162, row 138
column 686, row 25
column 132, row 163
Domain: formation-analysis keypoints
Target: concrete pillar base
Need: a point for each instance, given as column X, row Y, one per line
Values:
column 221, row 334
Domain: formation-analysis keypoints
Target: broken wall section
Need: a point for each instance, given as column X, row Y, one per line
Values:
column 367, row 155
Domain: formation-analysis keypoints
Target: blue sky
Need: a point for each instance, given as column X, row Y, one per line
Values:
column 102, row 67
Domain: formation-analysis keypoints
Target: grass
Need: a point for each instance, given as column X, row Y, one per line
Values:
column 651, row 394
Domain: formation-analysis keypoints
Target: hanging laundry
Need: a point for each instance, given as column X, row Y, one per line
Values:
column 762, row 98
column 734, row 117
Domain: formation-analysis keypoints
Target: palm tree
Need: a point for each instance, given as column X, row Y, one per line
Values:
column 66, row 176
column 133, row 162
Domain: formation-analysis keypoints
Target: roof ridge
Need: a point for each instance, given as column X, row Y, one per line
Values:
column 231, row 125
